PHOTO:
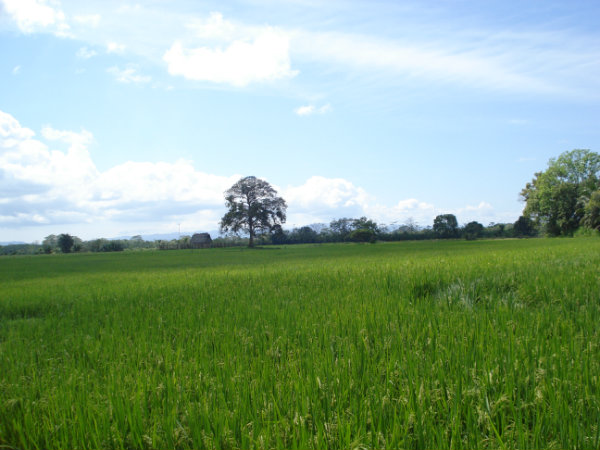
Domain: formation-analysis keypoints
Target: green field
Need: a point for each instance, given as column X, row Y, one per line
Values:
column 455, row 344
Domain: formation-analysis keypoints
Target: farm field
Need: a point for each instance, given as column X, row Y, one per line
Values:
column 449, row 344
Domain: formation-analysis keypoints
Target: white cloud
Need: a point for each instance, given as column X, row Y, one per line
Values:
column 16, row 70
column 91, row 20
column 37, row 15
column 114, row 47
column 262, row 58
column 543, row 62
column 11, row 131
column 482, row 212
column 321, row 198
column 416, row 60
column 309, row 110
column 412, row 204
column 214, row 28
column 542, row 59
column 86, row 53
column 411, row 208
column 44, row 185
column 128, row 75
column 305, row 110
column 50, row 186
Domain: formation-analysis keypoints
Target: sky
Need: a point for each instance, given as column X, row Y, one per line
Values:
column 119, row 119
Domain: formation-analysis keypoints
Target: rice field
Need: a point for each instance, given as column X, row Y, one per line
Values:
column 454, row 344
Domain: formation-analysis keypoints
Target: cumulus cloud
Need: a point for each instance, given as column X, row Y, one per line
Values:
column 44, row 185
column 52, row 180
column 231, row 55
column 128, row 75
column 48, row 185
column 320, row 199
column 309, row 110
column 37, row 15
column 326, row 193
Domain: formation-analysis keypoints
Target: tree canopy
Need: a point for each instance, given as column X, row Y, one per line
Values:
column 253, row 207
column 524, row 227
column 445, row 226
column 473, row 230
column 65, row 242
column 556, row 199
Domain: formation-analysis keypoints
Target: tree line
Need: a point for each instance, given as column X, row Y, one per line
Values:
column 561, row 201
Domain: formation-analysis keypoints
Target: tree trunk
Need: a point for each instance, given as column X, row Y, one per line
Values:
column 251, row 230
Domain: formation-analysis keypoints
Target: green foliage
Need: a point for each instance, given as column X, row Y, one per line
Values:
column 492, row 344
column 65, row 243
column 253, row 207
column 445, row 226
column 303, row 235
column 278, row 235
column 362, row 235
column 556, row 199
column 342, row 227
column 591, row 217
column 365, row 224
column 524, row 227
column 472, row 231
column 21, row 249
column 50, row 243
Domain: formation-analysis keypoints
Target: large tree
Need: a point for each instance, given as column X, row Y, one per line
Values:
column 445, row 226
column 253, row 207
column 556, row 199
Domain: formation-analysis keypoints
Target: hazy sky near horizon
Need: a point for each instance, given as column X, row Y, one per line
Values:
column 121, row 118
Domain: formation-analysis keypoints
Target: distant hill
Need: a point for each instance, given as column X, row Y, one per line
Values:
column 13, row 243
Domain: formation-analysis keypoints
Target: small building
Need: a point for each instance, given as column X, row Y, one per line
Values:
column 201, row 240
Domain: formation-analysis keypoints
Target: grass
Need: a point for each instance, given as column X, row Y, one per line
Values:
column 487, row 344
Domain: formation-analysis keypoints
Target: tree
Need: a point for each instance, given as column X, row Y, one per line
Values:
column 524, row 226
column 591, row 217
column 253, row 207
column 365, row 224
column 445, row 226
column 304, row 235
column 50, row 243
column 278, row 236
column 363, row 235
column 473, row 230
column 65, row 242
column 341, row 227
column 411, row 226
column 556, row 199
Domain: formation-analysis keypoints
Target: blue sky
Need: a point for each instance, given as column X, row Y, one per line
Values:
column 124, row 118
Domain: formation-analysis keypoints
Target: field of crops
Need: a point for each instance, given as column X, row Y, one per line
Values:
column 486, row 344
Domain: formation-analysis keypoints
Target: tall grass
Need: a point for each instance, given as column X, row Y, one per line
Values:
column 490, row 344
